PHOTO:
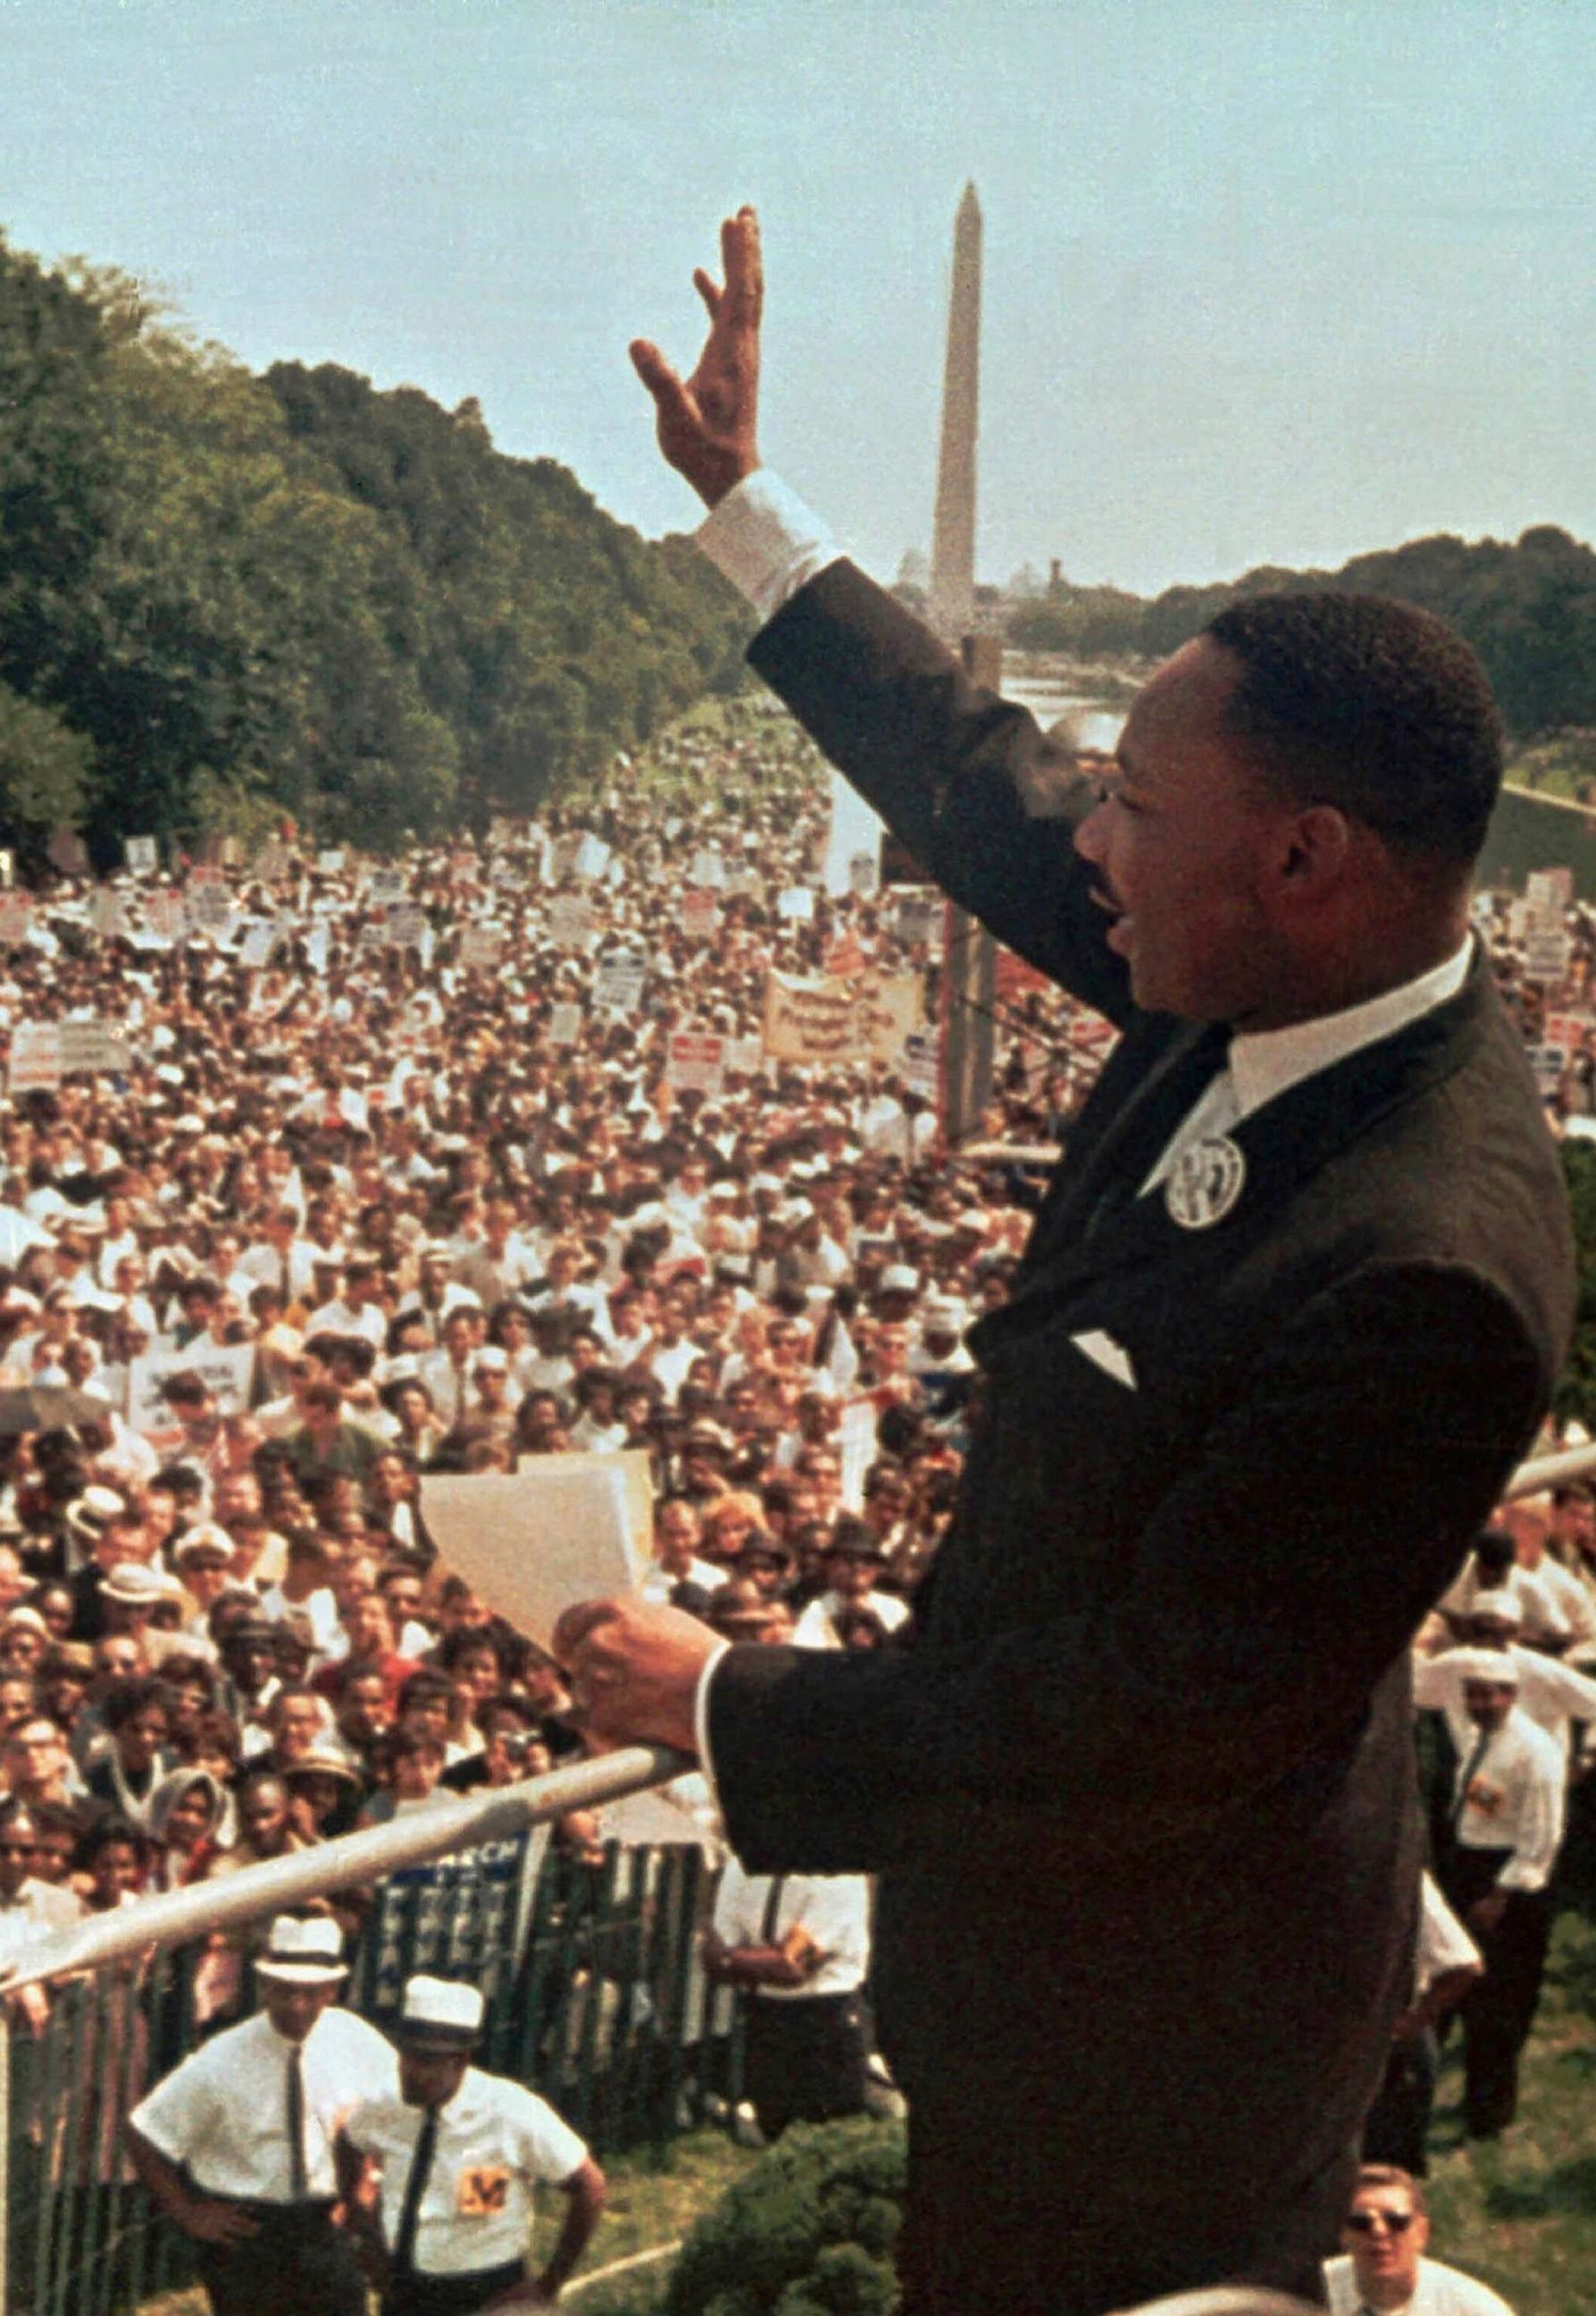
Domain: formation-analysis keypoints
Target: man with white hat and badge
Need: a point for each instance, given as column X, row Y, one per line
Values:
column 460, row 2153
column 235, row 2145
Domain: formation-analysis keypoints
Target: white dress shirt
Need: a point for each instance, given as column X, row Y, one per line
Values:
column 224, row 2112
column 834, row 1910
column 494, row 2142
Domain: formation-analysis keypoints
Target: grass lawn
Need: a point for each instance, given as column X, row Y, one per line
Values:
column 1520, row 2212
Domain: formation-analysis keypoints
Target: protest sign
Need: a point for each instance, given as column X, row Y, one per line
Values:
column 563, row 1528
column 255, row 948
column 829, row 1019
column 923, row 1064
column 330, row 860
column 1549, row 891
column 225, row 1369
column 166, row 916
column 481, row 945
column 385, row 889
column 1548, row 1063
column 105, row 913
column 745, row 1055
column 91, row 1045
column 8, row 867
column 700, row 914
column 16, row 915
column 592, row 857
column 142, row 855
column 618, row 984
column 696, row 1063
column 920, row 918
column 795, row 903
column 205, row 900
column 1547, row 956
column 708, row 870
column 565, row 1024
column 570, row 920
column 35, row 1058
column 406, row 926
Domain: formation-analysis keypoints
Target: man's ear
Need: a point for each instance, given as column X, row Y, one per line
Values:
column 1317, row 849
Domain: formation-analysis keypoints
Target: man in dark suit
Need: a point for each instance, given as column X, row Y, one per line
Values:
column 1141, row 1797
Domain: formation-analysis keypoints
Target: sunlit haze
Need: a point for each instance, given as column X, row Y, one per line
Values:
column 1264, row 283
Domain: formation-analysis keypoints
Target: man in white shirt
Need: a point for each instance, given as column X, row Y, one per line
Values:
column 1505, row 1830
column 461, row 2152
column 235, row 2145
column 1553, row 1695
column 799, row 1946
column 1382, row 2268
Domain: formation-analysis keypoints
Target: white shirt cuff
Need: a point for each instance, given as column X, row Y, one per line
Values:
column 700, row 1719
column 766, row 541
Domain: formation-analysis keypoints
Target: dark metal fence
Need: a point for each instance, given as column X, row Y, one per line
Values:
column 595, row 1999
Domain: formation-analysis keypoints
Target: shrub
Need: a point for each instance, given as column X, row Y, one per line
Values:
column 809, row 2232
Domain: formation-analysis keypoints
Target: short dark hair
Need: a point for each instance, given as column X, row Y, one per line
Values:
column 1373, row 706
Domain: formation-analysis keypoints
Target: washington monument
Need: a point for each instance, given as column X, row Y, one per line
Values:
column 953, row 536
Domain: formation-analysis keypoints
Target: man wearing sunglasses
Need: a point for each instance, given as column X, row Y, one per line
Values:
column 1381, row 2267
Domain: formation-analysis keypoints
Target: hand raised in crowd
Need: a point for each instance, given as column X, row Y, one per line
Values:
column 708, row 424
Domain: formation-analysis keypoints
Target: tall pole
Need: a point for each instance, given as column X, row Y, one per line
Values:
column 969, row 967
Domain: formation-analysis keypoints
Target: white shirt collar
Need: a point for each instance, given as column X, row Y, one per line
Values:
column 1267, row 1062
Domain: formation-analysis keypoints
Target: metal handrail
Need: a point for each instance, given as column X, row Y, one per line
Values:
column 280, row 1883
column 351, row 1858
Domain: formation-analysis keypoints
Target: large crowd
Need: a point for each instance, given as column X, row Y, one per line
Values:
column 382, row 1171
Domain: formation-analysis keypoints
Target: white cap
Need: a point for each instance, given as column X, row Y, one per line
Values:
column 1485, row 1664
column 441, row 2011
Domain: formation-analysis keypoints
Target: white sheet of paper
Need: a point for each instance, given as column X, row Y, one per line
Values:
column 563, row 1528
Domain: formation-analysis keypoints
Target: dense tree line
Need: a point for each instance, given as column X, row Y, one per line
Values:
column 1529, row 609
column 224, row 598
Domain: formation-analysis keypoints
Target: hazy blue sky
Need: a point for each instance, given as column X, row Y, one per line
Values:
column 1266, row 280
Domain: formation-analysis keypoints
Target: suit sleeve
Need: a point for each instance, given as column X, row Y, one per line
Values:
column 1332, row 1499
column 968, row 781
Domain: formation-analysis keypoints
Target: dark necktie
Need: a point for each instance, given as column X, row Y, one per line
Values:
column 1470, row 1772
column 300, row 2187
column 415, row 2188
column 772, row 1913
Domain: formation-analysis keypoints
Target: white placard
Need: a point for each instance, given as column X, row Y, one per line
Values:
column 565, row 1024
column 696, row 1063
column 921, row 1073
column 206, row 902
column 700, row 915
column 256, row 947
column 227, row 1369
column 105, row 913
column 563, row 1528
column 570, row 920
column 386, row 888
column 91, row 1045
column 592, row 856
column 864, row 874
column 618, row 984
column 330, row 860
column 708, row 870
column 166, row 916
column 1549, row 890
column 35, row 1057
column 1547, row 956
column 142, row 855
column 797, row 905
column 406, row 926
column 481, row 945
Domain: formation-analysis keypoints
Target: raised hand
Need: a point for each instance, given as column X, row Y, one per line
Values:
column 708, row 424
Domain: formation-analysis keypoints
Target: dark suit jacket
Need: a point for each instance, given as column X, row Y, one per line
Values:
column 1142, row 1797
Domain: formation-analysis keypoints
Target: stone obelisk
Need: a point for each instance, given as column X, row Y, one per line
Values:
column 953, row 536
column 970, row 974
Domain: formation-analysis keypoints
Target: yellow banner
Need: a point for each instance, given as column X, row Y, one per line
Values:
column 835, row 1018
